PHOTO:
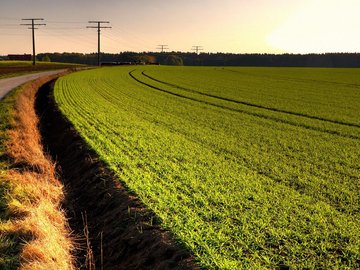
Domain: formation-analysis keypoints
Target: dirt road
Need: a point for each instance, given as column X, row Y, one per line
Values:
column 6, row 85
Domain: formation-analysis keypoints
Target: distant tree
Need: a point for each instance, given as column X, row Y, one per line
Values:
column 145, row 58
column 45, row 58
column 215, row 59
column 149, row 59
column 174, row 60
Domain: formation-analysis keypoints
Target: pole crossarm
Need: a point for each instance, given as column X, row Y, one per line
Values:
column 197, row 49
column 98, row 27
column 33, row 28
column 33, row 22
column 162, row 47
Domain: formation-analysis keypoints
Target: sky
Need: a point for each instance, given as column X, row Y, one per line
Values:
column 229, row 26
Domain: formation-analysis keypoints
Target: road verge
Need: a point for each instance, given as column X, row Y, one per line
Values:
column 33, row 228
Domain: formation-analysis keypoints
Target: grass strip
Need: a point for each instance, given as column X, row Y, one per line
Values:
column 33, row 228
column 9, row 245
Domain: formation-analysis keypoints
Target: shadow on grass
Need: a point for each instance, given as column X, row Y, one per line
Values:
column 122, row 233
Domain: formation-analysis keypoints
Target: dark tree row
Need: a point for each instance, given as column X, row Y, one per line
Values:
column 214, row 59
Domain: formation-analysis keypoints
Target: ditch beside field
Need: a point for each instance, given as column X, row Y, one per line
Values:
column 116, row 231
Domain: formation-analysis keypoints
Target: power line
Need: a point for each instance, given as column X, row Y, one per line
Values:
column 10, row 35
column 162, row 47
column 197, row 49
column 123, row 41
column 121, row 30
column 8, row 19
column 32, row 27
column 64, row 28
column 13, row 24
column 99, row 27
column 122, row 37
column 67, row 22
column 64, row 35
column 110, row 45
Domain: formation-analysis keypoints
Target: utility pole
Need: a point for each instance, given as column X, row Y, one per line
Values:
column 197, row 49
column 162, row 47
column 32, row 27
column 98, row 27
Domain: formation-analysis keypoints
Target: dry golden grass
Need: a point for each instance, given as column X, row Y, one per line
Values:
column 35, row 194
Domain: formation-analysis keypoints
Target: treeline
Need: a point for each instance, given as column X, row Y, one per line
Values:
column 213, row 59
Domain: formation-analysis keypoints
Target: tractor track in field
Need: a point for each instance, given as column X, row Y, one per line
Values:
column 122, row 233
column 259, row 115
column 254, row 105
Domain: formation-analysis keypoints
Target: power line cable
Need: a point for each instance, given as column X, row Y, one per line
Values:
column 121, row 30
column 9, row 19
column 9, row 25
column 66, row 22
column 71, row 40
column 64, row 28
column 122, row 41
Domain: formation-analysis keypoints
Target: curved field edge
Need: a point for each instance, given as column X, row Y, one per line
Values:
column 33, row 229
column 266, row 200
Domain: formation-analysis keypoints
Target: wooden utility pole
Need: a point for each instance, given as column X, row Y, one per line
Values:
column 162, row 47
column 32, row 27
column 197, row 49
column 98, row 27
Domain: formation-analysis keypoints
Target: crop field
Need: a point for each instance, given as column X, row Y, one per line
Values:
column 249, row 168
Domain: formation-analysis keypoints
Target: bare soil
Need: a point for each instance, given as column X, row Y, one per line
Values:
column 114, row 229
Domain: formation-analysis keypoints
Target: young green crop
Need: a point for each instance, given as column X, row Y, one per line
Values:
column 250, row 168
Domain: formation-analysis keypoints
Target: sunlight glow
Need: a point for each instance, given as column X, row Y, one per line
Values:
column 235, row 26
column 321, row 26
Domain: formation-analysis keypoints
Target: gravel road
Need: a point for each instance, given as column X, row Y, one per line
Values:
column 8, row 84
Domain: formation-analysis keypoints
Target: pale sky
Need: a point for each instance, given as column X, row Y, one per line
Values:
column 237, row 26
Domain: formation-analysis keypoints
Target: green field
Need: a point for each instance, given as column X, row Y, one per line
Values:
column 250, row 168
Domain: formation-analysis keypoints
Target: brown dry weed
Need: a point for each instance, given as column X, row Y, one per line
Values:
column 36, row 192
